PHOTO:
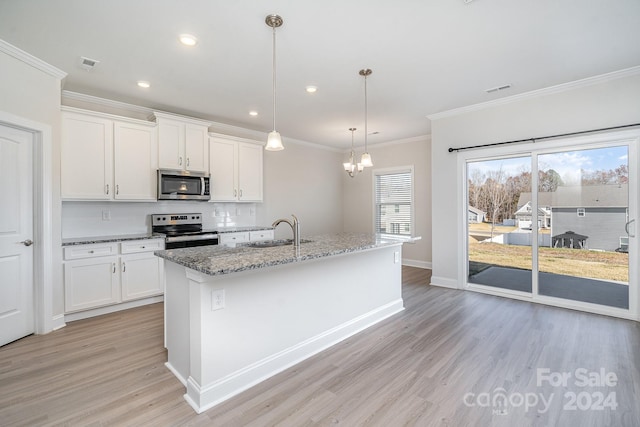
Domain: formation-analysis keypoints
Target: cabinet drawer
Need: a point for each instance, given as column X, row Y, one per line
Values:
column 147, row 245
column 256, row 236
column 231, row 238
column 90, row 251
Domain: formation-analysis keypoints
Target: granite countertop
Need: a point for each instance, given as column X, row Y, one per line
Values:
column 142, row 236
column 108, row 239
column 220, row 260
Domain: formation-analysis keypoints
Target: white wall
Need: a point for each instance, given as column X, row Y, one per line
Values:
column 599, row 104
column 357, row 201
column 34, row 95
column 306, row 181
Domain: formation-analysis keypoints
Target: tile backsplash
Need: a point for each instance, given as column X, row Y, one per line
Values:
column 87, row 219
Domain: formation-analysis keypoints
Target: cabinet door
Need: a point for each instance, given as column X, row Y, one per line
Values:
column 141, row 275
column 223, row 170
column 90, row 283
column 136, row 153
column 249, row 172
column 86, row 157
column 170, row 144
column 196, row 148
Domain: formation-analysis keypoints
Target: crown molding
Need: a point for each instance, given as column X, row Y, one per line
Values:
column 215, row 127
column 29, row 59
column 75, row 96
column 589, row 81
column 419, row 138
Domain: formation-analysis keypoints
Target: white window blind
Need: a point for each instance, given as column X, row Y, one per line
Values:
column 394, row 202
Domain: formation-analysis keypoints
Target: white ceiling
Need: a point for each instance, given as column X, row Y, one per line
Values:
column 427, row 56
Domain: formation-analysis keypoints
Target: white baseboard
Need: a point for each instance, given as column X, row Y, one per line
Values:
column 176, row 373
column 205, row 397
column 444, row 282
column 417, row 263
column 58, row 322
column 112, row 308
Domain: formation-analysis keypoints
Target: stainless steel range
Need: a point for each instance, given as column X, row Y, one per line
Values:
column 182, row 230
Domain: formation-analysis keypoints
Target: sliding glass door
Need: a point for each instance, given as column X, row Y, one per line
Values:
column 499, row 249
column 565, row 244
column 585, row 252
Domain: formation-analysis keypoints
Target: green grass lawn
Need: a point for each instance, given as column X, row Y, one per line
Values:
column 570, row 262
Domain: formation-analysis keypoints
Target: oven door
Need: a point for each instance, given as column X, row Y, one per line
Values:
column 179, row 185
column 190, row 240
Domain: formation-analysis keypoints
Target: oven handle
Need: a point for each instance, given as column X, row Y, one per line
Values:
column 191, row 237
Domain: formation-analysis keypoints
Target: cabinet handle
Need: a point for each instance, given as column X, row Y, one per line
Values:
column 235, row 193
column 107, row 188
column 187, row 161
column 142, row 247
column 124, row 267
column 91, row 252
column 180, row 161
column 240, row 193
column 114, row 267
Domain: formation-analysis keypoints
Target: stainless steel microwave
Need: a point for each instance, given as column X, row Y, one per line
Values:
column 183, row 185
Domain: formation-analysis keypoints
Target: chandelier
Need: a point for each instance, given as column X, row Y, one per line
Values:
column 352, row 168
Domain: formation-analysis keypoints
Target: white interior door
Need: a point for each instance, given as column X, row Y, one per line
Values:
column 16, row 234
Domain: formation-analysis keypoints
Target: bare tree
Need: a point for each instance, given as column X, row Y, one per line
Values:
column 496, row 192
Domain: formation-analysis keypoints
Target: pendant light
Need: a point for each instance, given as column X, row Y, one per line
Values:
column 365, row 160
column 351, row 168
column 274, row 141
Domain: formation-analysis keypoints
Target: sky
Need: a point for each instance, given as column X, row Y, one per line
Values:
column 566, row 163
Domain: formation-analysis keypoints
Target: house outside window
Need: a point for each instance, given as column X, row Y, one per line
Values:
column 393, row 200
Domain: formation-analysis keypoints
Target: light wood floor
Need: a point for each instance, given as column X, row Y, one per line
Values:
column 413, row 369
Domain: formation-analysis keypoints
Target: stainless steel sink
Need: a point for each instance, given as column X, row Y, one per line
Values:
column 273, row 243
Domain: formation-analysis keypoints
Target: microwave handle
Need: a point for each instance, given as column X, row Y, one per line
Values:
column 202, row 184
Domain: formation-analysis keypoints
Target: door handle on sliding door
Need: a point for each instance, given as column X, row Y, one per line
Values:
column 626, row 228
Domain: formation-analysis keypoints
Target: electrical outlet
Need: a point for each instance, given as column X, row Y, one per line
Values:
column 106, row 215
column 396, row 257
column 217, row 299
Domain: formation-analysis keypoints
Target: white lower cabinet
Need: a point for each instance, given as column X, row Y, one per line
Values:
column 141, row 275
column 98, row 275
column 91, row 282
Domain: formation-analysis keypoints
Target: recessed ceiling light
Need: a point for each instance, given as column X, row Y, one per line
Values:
column 188, row 40
column 144, row 84
column 312, row 89
column 253, row 113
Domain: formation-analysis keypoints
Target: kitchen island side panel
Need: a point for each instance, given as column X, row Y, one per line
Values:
column 278, row 316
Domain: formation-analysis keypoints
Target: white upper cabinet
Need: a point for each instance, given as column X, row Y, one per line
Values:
column 235, row 167
column 135, row 162
column 86, row 157
column 182, row 142
column 250, row 172
column 107, row 158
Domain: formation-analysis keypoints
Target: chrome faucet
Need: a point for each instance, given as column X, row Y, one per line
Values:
column 295, row 226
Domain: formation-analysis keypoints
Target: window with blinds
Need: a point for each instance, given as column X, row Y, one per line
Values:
column 394, row 201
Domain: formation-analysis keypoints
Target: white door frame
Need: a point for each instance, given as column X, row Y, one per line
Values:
column 623, row 137
column 42, row 217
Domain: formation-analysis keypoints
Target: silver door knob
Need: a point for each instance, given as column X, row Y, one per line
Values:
column 27, row 242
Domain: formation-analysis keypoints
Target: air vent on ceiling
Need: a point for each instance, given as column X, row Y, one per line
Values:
column 497, row 88
column 88, row 63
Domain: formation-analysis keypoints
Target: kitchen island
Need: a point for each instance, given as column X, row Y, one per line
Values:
column 236, row 316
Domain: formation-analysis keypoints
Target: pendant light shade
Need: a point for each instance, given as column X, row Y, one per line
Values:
column 365, row 160
column 274, row 141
